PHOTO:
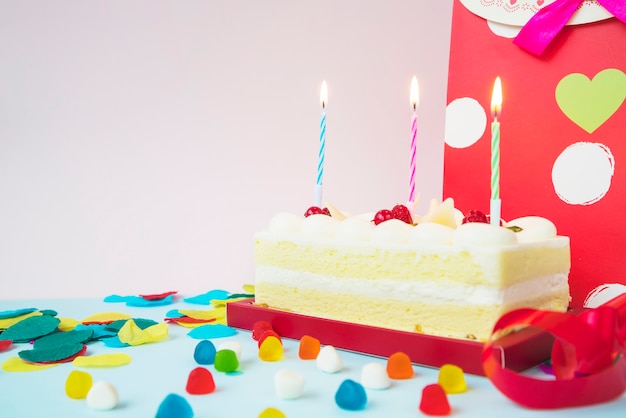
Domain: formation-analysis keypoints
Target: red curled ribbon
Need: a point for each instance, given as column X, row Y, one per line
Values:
column 587, row 357
column 546, row 24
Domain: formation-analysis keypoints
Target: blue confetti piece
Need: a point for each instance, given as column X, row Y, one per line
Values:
column 139, row 302
column 173, row 313
column 16, row 312
column 206, row 298
column 115, row 298
column 204, row 332
column 114, row 342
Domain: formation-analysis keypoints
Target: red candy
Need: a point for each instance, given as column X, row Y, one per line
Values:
column 269, row 333
column 258, row 328
column 200, row 382
column 434, row 401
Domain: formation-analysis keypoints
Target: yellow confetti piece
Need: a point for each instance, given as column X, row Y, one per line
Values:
column 192, row 324
column 102, row 360
column 106, row 317
column 16, row 364
column 68, row 324
column 221, row 302
column 199, row 314
column 248, row 288
column 131, row 334
column 7, row 322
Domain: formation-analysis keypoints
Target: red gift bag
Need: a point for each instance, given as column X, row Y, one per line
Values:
column 563, row 122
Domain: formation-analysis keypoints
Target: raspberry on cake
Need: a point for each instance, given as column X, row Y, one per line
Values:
column 435, row 274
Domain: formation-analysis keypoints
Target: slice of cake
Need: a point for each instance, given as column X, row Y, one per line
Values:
column 440, row 277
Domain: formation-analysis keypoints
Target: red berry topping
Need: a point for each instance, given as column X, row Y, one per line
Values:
column 382, row 216
column 402, row 213
column 475, row 216
column 316, row 210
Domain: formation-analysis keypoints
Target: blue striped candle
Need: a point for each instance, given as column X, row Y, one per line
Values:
column 320, row 155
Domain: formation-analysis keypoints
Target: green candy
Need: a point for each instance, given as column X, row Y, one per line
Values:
column 226, row 361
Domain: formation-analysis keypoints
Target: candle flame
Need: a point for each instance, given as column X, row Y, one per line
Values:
column 324, row 95
column 496, row 98
column 414, row 97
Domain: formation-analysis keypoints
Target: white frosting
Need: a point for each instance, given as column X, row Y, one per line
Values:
column 478, row 233
column 534, row 228
column 431, row 233
column 360, row 228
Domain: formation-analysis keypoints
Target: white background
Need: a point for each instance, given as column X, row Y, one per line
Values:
column 143, row 142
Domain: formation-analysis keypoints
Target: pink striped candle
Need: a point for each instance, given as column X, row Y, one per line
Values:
column 414, row 99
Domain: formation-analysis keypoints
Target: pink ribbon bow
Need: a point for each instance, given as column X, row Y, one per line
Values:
column 546, row 24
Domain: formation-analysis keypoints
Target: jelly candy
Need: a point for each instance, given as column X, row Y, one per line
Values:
column 271, row 349
column 204, row 352
column 288, row 384
column 351, row 395
column 451, row 379
column 226, row 361
column 78, row 384
column 434, row 401
column 399, row 366
column 309, row 348
column 374, row 376
column 174, row 406
column 102, row 396
column 200, row 382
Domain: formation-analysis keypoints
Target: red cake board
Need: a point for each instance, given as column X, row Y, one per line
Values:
column 519, row 351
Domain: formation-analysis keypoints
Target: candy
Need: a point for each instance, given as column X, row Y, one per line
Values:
column 204, row 352
column 272, row 413
column 226, row 361
column 309, row 348
column 351, row 396
column 452, row 379
column 174, row 406
column 328, row 360
column 200, row 382
column 269, row 333
column 231, row 345
column 271, row 349
column 374, row 376
column 399, row 366
column 434, row 401
column 288, row 384
column 258, row 328
column 78, row 384
column 102, row 396
column 31, row 328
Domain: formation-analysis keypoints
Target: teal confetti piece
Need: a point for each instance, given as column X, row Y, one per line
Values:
column 204, row 332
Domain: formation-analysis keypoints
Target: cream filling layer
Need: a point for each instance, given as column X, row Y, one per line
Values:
column 428, row 292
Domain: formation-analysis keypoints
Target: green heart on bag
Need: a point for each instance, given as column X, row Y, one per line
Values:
column 590, row 103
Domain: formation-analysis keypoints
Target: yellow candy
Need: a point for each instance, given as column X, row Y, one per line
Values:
column 78, row 384
column 452, row 379
column 271, row 349
column 102, row 360
column 272, row 413
column 16, row 364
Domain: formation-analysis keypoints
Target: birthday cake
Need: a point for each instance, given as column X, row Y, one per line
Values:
column 440, row 274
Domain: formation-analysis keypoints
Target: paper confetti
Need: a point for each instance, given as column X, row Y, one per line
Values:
column 131, row 334
column 16, row 364
column 16, row 312
column 53, row 354
column 61, row 338
column 105, row 317
column 31, row 328
column 102, row 360
column 206, row 298
column 205, row 332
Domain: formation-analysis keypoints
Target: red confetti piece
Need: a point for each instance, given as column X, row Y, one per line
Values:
column 158, row 296
column 189, row 320
column 434, row 401
column 4, row 344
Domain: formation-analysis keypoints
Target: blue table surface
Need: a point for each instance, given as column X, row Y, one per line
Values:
column 160, row 368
